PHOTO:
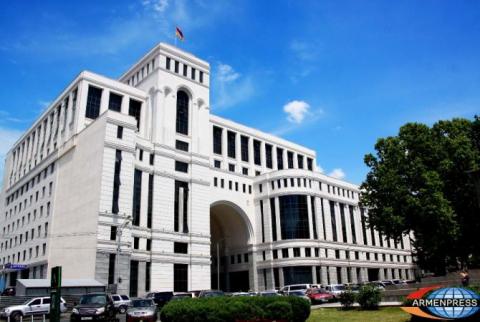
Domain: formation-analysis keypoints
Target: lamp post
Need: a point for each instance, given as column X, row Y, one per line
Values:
column 117, row 279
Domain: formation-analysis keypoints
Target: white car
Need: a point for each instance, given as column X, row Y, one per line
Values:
column 297, row 287
column 335, row 289
column 35, row 306
column 121, row 302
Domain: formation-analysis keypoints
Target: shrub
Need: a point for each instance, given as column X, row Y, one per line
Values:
column 346, row 299
column 369, row 297
column 231, row 309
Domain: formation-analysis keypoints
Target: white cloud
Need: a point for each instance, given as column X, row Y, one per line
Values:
column 296, row 111
column 9, row 136
column 337, row 173
column 226, row 73
column 303, row 50
column 158, row 6
column 320, row 169
column 230, row 87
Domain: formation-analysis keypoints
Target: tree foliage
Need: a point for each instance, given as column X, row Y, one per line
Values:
column 421, row 181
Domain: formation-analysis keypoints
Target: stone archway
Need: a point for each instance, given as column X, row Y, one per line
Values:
column 231, row 253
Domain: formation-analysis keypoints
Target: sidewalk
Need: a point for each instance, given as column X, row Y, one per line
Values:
column 337, row 304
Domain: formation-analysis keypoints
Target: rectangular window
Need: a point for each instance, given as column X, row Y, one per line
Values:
column 180, row 248
column 115, row 102
column 180, row 145
column 296, row 252
column 343, row 222
column 263, row 222
column 113, row 233
column 94, row 98
column 152, row 159
column 300, row 161
column 217, row 140
column 244, row 147
column 181, row 207
column 193, row 73
column 231, row 146
column 314, row 217
column 294, row 217
column 168, row 62
column 274, row 219
column 180, row 277
column 137, row 193
column 111, row 269
column 136, row 242
column 149, row 245
column 148, row 274
column 231, row 167
column 177, row 64
column 116, row 181
column 245, row 171
column 284, row 252
column 256, row 152
column 201, row 77
column 279, row 159
column 352, row 223
column 134, row 109
column 217, row 164
column 185, row 70
column 181, row 166
column 133, row 278
column 310, row 164
column 120, row 132
column 334, row 221
column 150, row 201
column 290, row 159
column 268, row 156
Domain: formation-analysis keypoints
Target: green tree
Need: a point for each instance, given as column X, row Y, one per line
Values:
column 421, row 181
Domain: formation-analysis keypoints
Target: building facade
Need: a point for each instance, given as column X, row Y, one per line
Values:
column 133, row 182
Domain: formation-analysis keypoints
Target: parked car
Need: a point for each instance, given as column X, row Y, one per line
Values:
column 377, row 285
column 182, row 295
column 160, row 298
column 195, row 293
column 299, row 293
column 94, row 307
column 335, row 289
column 121, row 302
column 234, row 294
column 295, row 287
column 355, row 288
column 142, row 310
column 35, row 306
column 9, row 291
column 269, row 293
column 319, row 295
column 211, row 293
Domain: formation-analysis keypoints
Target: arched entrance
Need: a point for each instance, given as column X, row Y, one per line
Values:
column 230, row 249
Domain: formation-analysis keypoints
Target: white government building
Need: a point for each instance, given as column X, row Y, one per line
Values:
column 134, row 182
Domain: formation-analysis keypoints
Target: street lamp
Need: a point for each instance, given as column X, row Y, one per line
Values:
column 117, row 278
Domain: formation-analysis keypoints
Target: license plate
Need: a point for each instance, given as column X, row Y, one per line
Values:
column 87, row 318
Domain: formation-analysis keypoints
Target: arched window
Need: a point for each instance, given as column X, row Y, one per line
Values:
column 182, row 112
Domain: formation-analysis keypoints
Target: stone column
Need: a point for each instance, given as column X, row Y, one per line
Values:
column 344, row 275
column 310, row 216
column 328, row 220
column 324, row 275
column 332, row 272
column 277, row 215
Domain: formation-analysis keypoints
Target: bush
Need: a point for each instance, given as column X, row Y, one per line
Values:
column 369, row 297
column 232, row 309
column 347, row 299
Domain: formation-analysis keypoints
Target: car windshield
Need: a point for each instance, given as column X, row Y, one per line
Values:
column 142, row 303
column 297, row 293
column 93, row 299
column 298, row 287
column 338, row 288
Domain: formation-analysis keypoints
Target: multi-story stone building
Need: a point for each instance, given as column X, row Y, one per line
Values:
column 134, row 182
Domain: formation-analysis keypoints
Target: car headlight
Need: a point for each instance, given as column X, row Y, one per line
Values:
column 75, row 311
column 7, row 310
column 100, row 310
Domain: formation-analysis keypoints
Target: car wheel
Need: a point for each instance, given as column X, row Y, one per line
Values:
column 122, row 309
column 16, row 316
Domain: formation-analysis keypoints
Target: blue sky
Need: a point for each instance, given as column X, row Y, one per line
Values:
column 331, row 75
